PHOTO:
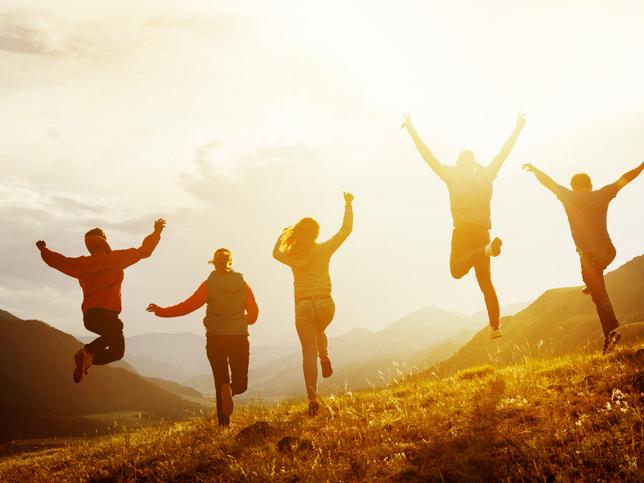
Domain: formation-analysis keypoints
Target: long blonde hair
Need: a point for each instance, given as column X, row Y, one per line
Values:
column 298, row 240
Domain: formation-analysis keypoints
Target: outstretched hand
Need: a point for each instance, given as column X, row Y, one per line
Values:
column 159, row 225
column 40, row 244
column 529, row 167
column 521, row 120
column 348, row 197
column 154, row 308
column 407, row 124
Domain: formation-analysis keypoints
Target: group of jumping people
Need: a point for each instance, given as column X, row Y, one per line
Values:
column 231, row 306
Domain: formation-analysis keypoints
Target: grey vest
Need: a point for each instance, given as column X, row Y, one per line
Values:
column 226, row 311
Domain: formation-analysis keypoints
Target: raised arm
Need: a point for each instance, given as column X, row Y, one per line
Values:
column 500, row 158
column 336, row 240
column 277, row 253
column 424, row 151
column 629, row 176
column 68, row 266
column 192, row 303
column 544, row 179
column 131, row 256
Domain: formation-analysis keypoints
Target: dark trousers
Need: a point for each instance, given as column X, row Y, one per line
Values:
column 110, row 346
column 468, row 251
column 593, row 265
column 228, row 352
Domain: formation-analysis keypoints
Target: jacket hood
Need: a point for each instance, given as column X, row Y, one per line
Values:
column 96, row 244
column 228, row 281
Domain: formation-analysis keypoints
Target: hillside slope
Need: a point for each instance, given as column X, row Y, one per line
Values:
column 569, row 418
column 39, row 398
column 560, row 321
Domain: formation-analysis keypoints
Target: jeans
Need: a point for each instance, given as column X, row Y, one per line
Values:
column 312, row 316
column 468, row 251
column 224, row 352
column 593, row 265
column 110, row 346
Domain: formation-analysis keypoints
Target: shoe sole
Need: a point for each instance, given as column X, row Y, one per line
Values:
column 614, row 339
column 496, row 336
column 78, row 370
column 227, row 405
column 327, row 369
column 496, row 247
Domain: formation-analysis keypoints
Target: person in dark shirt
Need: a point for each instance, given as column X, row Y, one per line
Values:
column 587, row 212
column 470, row 192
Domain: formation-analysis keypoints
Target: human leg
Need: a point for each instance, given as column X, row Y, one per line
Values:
column 484, row 279
column 468, row 248
column 218, row 358
column 307, row 332
column 324, row 312
column 592, row 272
column 110, row 345
column 238, row 359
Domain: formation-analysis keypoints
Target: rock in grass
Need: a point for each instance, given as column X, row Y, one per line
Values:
column 255, row 432
column 286, row 444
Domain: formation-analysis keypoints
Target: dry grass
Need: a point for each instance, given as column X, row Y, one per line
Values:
column 571, row 418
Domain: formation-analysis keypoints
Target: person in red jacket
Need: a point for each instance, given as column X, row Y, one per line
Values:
column 231, row 308
column 100, row 276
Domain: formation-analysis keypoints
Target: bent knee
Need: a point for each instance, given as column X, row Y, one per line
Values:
column 457, row 274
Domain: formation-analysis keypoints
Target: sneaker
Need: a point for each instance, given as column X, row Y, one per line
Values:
column 327, row 370
column 79, row 370
column 493, row 249
column 314, row 407
column 227, row 405
column 610, row 341
column 495, row 333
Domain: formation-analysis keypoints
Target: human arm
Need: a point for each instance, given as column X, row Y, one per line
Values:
column 629, row 176
column 192, row 303
column 277, row 253
column 544, row 179
column 500, row 158
column 68, row 266
column 424, row 151
column 252, row 310
column 336, row 240
column 131, row 256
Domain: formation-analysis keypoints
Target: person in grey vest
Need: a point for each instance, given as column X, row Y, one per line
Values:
column 230, row 309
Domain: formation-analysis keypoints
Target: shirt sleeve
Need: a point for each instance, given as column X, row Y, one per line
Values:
column 252, row 310
column 68, row 266
column 192, row 303
column 610, row 191
column 132, row 255
column 333, row 243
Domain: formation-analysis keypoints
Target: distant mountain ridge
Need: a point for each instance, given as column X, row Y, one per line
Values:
column 39, row 398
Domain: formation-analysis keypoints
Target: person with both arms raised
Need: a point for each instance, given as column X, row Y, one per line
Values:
column 587, row 212
column 231, row 307
column 100, row 275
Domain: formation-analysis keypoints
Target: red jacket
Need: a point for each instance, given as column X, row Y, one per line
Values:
column 101, row 273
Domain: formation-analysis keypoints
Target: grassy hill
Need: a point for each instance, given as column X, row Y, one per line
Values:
column 560, row 321
column 576, row 417
column 39, row 398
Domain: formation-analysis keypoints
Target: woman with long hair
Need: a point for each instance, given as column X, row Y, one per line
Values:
column 314, row 307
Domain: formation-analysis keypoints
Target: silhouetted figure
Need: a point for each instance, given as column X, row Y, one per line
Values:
column 470, row 192
column 231, row 307
column 587, row 212
column 314, row 306
column 100, row 276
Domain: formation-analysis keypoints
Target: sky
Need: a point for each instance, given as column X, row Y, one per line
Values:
column 233, row 120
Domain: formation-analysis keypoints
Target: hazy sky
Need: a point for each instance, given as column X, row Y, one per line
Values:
column 235, row 119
